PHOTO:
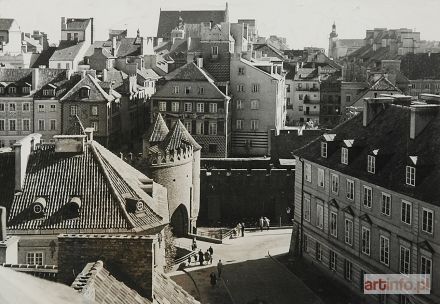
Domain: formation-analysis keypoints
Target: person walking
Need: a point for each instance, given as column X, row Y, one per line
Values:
column 201, row 257
column 238, row 229
column 213, row 279
column 207, row 257
column 242, row 229
column 211, row 253
column 219, row 268
column 267, row 222
column 261, row 223
column 194, row 244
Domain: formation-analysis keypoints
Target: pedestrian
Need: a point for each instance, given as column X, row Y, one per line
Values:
column 194, row 244
column 195, row 259
column 261, row 223
column 267, row 222
column 219, row 268
column 189, row 260
column 238, row 229
column 207, row 257
column 201, row 257
column 213, row 279
column 242, row 229
column 211, row 251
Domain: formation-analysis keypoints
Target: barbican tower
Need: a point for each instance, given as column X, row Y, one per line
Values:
column 172, row 159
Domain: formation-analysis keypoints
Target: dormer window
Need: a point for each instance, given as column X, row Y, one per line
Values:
column 176, row 90
column 187, row 90
column 12, row 90
column 2, row 90
column 324, row 149
column 25, row 90
column 410, row 176
column 344, row 156
column 39, row 206
column 48, row 92
column 371, row 164
column 85, row 92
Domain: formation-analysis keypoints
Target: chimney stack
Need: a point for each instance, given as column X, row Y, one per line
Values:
column 23, row 149
column 200, row 62
column 211, row 24
column 63, row 23
column 114, row 46
column 373, row 106
column 2, row 224
column 89, row 133
column 421, row 116
column 35, row 78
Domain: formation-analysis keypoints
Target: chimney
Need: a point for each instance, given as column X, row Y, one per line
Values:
column 114, row 46
column 373, row 106
column 104, row 75
column 35, row 78
column 200, row 62
column 23, row 149
column 421, row 116
column 8, row 245
column 63, row 23
column 2, row 224
column 91, row 31
column 89, row 134
column 211, row 24
column 69, row 143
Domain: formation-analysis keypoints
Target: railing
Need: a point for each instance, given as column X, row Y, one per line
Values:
column 307, row 89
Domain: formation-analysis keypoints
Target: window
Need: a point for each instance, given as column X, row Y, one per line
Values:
column 300, row 97
column 255, row 104
column 405, row 260
column 254, row 124
column 307, row 207
column 34, row 258
column 371, row 166
column 386, row 204
column 175, row 106
column 12, row 107
column 350, row 189
column 406, row 212
column 162, row 106
column 26, row 107
column 239, row 105
column 367, row 197
column 187, row 90
column 2, row 107
column 73, row 110
column 84, row 92
column 321, row 177
column 41, row 108
column 200, row 128
column 344, row 156
column 239, row 124
column 2, row 125
column 410, row 176
column 335, row 183
column 349, row 232
column 176, row 90
column 384, row 250
column 425, row 265
column 2, row 90
column 347, row 270
column 212, row 107
column 200, row 107
column 240, row 88
column 287, row 88
column 318, row 251
column 347, row 98
column 187, row 107
column 366, row 236
column 53, row 124
column 95, row 126
column 306, row 243
column 69, row 36
column 214, row 51
column 427, row 220
column 308, row 172
column 319, row 215
column 201, row 91
column 212, row 128
column 12, row 90
column 334, row 224
column 241, row 71
column 188, row 126
column 324, row 149
column 94, row 110
column 26, row 125
column 48, row 92
column 333, row 260
column 41, row 125
column 12, row 125
column 2, row 143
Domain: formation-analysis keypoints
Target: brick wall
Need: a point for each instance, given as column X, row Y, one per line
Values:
column 128, row 258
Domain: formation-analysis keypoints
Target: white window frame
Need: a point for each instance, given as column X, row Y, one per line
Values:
column 188, row 125
column 348, row 229
column 320, row 215
column 344, row 156
column 53, row 108
column 32, row 257
column 366, row 240
column 350, row 189
column 410, row 176
column 385, row 201
column 213, row 107
column 307, row 206
column 73, row 110
column 428, row 223
column 335, row 183
column 175, row 106
column 324, row 149
column 187, row 107
column 334, row 224
column 28, row 125
column 308, row 172
column 12, row 107
column 41, row 125
column 404, row 260
column 53, row 123
column 255, row 104
column 255, row 88
column 9, row 124
column 239, row 124
column 95, row 126
column 367, row 196
column 94, row 110
column 239, row 104
column 384, row 250
column 348, row 267
column 212, row 128
column 41, row 108
column 200, row 107
column 254, row 124
column 425, row 265
column 321, row 178
column 405, row 216
column 176, row 90
column 201, row 90
column 26, row 104
column 241, row 71
column 333, row 260
column 214, row 50
column 240, row 87
column 371, row 164
column 162, row 106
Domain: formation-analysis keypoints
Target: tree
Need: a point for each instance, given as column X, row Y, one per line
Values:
column 170, row 248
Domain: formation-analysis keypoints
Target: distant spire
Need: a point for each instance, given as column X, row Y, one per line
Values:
column 138, row 33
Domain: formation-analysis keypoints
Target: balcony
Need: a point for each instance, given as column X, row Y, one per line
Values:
column 307, row 89
column 307, row 100
column 311, row 113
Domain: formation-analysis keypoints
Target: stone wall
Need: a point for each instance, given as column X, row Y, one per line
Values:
column 129, row 258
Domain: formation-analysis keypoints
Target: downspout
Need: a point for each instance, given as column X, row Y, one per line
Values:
column 301, row 244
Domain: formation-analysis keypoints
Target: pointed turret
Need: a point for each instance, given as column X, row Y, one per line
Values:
column 158, row 130
column 179, row 137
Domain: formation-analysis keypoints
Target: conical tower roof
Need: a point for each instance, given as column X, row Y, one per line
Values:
column 158, row 131
column 179, row 137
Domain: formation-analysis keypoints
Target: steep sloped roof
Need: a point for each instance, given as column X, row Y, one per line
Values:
column 157, row 131
column 97, row 93
column 77, row 23
column 5, row 24
column 67, row 50
column 421, row 66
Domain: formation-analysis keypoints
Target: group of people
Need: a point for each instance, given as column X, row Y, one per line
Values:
column 240, row 229
column 213, row 277
column 264, row 222
column 201, row 256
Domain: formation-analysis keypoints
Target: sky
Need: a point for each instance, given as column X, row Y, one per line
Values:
column 302, row 22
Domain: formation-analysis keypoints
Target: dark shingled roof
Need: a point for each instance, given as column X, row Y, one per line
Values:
column 67, row 50
column 158, row 130
column 220, row 71
column 77, row 24
column 178, row 138
column 421, row 66
column 44, row 56
column 168, row 20
column 5, row 24
column 7, row 167
column 98, row 177
column 389, row 131
column 189, row 72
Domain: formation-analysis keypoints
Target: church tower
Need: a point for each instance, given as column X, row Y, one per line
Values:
column 332, row 51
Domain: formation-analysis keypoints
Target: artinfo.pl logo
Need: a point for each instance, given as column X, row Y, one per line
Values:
column 397, row 283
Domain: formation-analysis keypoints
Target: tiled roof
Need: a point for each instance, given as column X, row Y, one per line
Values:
column 99, row 44
column 147, row 74
column 97, row 284
column 128, row 47
column 158, row 130
column 178, row 137
column 77, row 24
column 383, row 84
column 5, row 24
column 168, row 20
column 67, row 50
column 15, row 75
column 117, row 32
column 97, row 93
column 165, row 290
column 421, row 66
column 220, row 71
column 62, row 85
column 269, row 50
column 189, row 72
column 99, row 178
column 389, row 131
column 43, row 57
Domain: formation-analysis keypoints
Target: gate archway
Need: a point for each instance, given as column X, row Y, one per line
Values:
column 179, row 221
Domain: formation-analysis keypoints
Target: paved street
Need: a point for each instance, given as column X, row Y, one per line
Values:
column 249, row 273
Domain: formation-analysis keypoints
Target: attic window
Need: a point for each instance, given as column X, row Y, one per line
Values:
column 85, row 92
column 187, row 90
column 12, row 90
column 410, row 176
column 324, row 149
column 344, row 156
column 25, row 90
column 39, row 206
column 48, row 92
column 371, row 164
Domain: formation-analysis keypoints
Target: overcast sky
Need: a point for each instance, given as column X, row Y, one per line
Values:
column 302, row 22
